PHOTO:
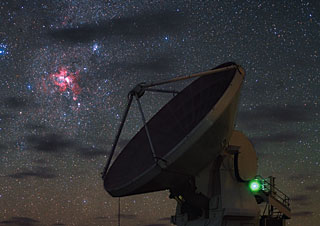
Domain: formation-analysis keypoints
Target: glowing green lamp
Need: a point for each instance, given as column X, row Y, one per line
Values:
column 255, row 185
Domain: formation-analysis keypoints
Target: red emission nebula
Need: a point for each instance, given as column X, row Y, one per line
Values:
column 63, row 81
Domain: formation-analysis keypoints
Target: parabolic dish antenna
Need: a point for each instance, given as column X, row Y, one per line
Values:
column 190, row 147
column 186, row 134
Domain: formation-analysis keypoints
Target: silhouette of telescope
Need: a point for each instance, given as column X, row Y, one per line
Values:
column 182, row 138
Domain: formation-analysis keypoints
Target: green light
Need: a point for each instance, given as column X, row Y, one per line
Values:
column 255, row 185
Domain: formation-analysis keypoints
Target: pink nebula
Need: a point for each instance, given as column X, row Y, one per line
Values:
column 65, row 79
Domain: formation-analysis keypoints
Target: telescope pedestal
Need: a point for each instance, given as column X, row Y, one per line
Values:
column 230, row 202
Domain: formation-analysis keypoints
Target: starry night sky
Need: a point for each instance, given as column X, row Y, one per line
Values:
column 66, row 67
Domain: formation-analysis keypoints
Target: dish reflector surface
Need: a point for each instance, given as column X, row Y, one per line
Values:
column 187, row 134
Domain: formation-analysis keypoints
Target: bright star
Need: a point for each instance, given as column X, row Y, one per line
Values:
column 3, row 50
column 95, row 47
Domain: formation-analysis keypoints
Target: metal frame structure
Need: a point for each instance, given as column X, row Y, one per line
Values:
column 220, row 204
column 138, row 91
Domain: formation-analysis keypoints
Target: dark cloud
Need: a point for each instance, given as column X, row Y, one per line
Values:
column 40, row 161
column 32, row 126
column 302, row 214
column 15, row 102
column 153, row 65
column 276, row 138
column 267, row 116
column 90, row 153
column 301, row 199
column 37, row 172
column 20, row 221
column 3, row 147
column 302, row 176
column 312, row 187
column 146, row 24
column 50, row 143
column 109, row 142
column 83, row 33
column 297, row 177
column 19, row 103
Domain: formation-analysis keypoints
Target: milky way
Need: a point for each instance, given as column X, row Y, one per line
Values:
column 66, row 68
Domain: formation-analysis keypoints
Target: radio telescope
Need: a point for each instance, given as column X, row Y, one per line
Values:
column 190, row 147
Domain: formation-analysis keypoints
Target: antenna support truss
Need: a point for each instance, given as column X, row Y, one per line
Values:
column 139, row 90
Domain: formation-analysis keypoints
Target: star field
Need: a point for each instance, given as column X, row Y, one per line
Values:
column 66, row 68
